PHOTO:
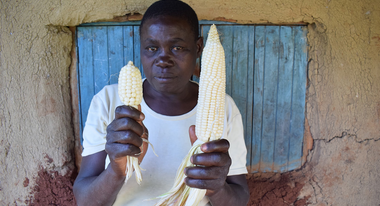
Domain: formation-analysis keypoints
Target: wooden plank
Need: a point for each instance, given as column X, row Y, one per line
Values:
column 226, row 34
column 249, row 99
column 128, row 44
column 204, row 31
column 100, row 61
column 86, row 81
column 136, row 50
column 217, row 23
column 258, row 93
column 109, row 23
column 298, row 103
column 270, row 98
column 240, row 71
column 137, row 23
column 284, row 99
column 115, row 52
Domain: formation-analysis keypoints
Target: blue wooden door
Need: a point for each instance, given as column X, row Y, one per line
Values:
column 266, row 76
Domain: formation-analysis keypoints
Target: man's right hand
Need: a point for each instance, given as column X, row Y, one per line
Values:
column 124, row 138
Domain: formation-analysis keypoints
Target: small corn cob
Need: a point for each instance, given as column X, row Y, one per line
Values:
column 130, row 93
column 130, row 85
column 209, row 120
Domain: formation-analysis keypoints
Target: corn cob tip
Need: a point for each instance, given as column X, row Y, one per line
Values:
column 213, row 35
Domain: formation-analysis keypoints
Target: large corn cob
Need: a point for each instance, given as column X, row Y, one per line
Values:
column 212, row 90
column 209, row 120
column 130, row 93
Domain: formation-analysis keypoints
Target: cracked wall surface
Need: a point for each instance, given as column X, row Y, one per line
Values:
column 344, row 171
column 343, row 98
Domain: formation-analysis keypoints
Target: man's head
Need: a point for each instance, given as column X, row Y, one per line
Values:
column 173, row 8
column 169, row 46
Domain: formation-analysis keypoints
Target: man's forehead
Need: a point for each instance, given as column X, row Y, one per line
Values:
column 167, row 22
column 175, row 29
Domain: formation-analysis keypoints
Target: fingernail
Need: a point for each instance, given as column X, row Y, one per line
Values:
column 142, row 116
column 204, row 148
column 191, row 159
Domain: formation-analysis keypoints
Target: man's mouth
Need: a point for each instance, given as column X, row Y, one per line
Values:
column 165, row 78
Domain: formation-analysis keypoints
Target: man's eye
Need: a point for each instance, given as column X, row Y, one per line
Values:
column 177, row 48
column 152, row 49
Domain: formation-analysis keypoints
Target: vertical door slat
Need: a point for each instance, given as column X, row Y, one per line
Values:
column 86, row 73
column 258, row 97
column 128, row 44
column 249, row 94
column 298, row 103
column 284, row 98
column 226, row 34
column 136, row 50
column 270, row 97
column 240, row 72
column 100, row 54
column 115, row 52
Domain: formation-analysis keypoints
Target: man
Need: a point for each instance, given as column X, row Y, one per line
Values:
column 169, row 48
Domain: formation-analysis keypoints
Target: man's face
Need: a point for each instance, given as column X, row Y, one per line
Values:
column 168, row 53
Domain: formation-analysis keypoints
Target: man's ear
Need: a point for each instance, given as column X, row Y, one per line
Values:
column 199, row 46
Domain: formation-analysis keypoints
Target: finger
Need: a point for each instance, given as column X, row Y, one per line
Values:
column 204, row 184
column 125, row 137
column 211, row 159
column 145, row 134
column 125, row 124
column 117, row 150
column 144, row 147
column 221, row 145
column 206, row 173
column 128, row 111
column 193, row 136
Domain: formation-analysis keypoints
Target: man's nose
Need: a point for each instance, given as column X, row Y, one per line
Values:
column 164, row 59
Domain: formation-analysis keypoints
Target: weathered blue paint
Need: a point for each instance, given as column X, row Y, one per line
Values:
column 100, row 55
column 115, row 52
column 298, row 98
column 266, row 76
column 284, row 98
column 258, row 97
column 250, row 92
column 128, row 46
column 86, row 73
column 136, row 48
column 269, row 98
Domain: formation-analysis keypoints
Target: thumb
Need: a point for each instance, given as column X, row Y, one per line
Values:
column 193, row 136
